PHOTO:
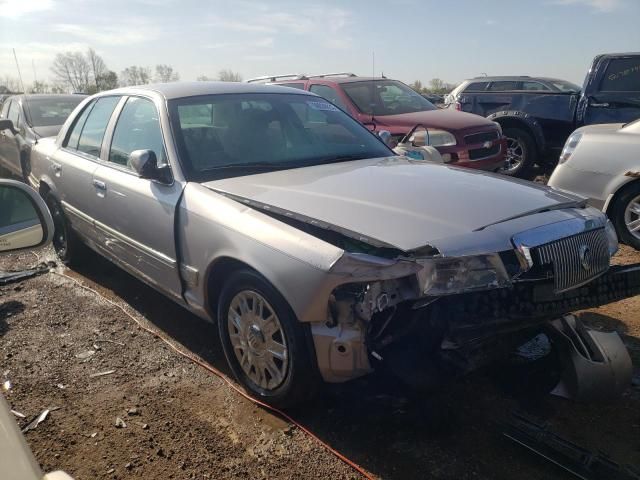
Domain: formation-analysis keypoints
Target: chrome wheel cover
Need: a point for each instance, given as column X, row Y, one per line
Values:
column 258, row 339
column 515, row 156
column 632, row 217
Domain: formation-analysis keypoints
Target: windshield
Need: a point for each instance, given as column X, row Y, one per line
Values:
column 565, row 86
column 47, row 112
column 230, row 135
column 386, row 97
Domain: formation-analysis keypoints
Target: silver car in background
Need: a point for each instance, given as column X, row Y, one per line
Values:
column 320, row 253
column 602, row 163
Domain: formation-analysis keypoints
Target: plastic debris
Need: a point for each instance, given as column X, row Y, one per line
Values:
column 86, row 355
column 18, row 414
column 38, row 420
column 102, row 374
column 6, row 386
column 120, row 423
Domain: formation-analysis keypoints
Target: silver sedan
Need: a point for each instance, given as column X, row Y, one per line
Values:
column 320, row 253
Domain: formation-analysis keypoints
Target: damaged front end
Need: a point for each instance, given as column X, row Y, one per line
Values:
column 431, row 318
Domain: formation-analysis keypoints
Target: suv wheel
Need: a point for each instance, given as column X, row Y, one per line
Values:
column 521, row 153
column 625, row 215
column 266, row 346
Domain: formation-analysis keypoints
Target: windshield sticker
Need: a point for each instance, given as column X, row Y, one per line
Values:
column 323, row 106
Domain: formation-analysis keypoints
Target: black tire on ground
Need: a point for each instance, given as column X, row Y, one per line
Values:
column 301, row 379
column 66, row 243
column 520, row 142
column 617, row 215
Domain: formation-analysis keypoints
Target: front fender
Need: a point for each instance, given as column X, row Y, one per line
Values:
column 528, row 122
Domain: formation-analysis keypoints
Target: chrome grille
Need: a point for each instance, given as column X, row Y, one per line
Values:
column 482, row 137
column 576, row 259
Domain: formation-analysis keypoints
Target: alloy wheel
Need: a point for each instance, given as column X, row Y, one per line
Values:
column 632, row 217
column 258, row 339
column 514, row 157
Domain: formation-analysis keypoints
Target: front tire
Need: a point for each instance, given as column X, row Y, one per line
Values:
column 625, row 216
column 65, row 242
column 266, row 346
column 521, row 154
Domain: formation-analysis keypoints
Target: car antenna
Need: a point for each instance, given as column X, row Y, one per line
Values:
column 26, row 99
column 373, row 85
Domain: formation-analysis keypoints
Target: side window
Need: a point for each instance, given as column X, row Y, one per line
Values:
column 14, row 113
column 328, row 93
column 534, row 87
column 622, row 75
column 503, row 86
column 92, row 134
column 76, row 130
column 138, row 128
column 477, row 87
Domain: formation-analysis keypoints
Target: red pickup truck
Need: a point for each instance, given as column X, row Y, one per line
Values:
column 463, row 139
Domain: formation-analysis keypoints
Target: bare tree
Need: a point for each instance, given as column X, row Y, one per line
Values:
column 39, row 87
column 417, row 86
column 135, row 75
column 98, row 67
column 72, row 69
column 9, row 84
column 204, row 78
column 165, row 73
column 229, row 76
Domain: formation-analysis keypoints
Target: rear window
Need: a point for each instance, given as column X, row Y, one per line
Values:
column 622, row 75
column 47, row 112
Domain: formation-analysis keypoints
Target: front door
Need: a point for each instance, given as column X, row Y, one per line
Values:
column 135, row 220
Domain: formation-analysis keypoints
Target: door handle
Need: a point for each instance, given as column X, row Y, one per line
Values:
column 598, row 105
column 99, row 184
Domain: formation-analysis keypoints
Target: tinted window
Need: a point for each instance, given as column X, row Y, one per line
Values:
column 534, row 87
column 299, row 86
column 565, row 86
column 93, row 131
column 45, row 112
column 76, row 130
column 329, row 94
column 270, row 131
column 477, row 87
column 622, row 75
column 138, row 128
column 386, row 97
column 503, row 86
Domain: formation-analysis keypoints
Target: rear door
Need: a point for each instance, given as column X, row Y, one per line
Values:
column 135, row 219
column 9, row 146
column 612, row 94
column 72, row 166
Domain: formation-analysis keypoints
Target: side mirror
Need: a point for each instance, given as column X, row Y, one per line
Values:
column 145, row 164
column 6, row 124
column 25, row 221
column 385, row 136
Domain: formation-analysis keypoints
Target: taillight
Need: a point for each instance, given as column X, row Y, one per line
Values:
column 458, row 106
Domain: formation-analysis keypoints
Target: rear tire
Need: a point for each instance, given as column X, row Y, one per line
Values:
column 66, row 243
column 267, row 348
column 625, row 216
column 521, row 154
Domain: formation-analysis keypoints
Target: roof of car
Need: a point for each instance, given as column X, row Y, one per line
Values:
column 334, row 79
column 193, row 89
column 48, row 96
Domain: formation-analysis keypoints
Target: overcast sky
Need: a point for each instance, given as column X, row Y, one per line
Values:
column 412, row 39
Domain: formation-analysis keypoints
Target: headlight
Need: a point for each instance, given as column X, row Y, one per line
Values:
column 612, row 238
column 441, row 138
column 569, row 147
column 446, row 276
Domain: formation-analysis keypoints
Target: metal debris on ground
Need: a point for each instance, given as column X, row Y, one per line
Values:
column 12, row 277
column 120, row 423
column 18, row 414
column 571, row 457
column 37, row 421
column 102, row 374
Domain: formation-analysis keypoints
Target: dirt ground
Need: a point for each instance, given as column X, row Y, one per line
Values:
column 183, row 422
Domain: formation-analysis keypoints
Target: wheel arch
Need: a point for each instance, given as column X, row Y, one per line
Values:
column 621, row 190
column 524, row 121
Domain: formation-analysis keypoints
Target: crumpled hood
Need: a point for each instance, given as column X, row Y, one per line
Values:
column 450, row 120
column 394, row 201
